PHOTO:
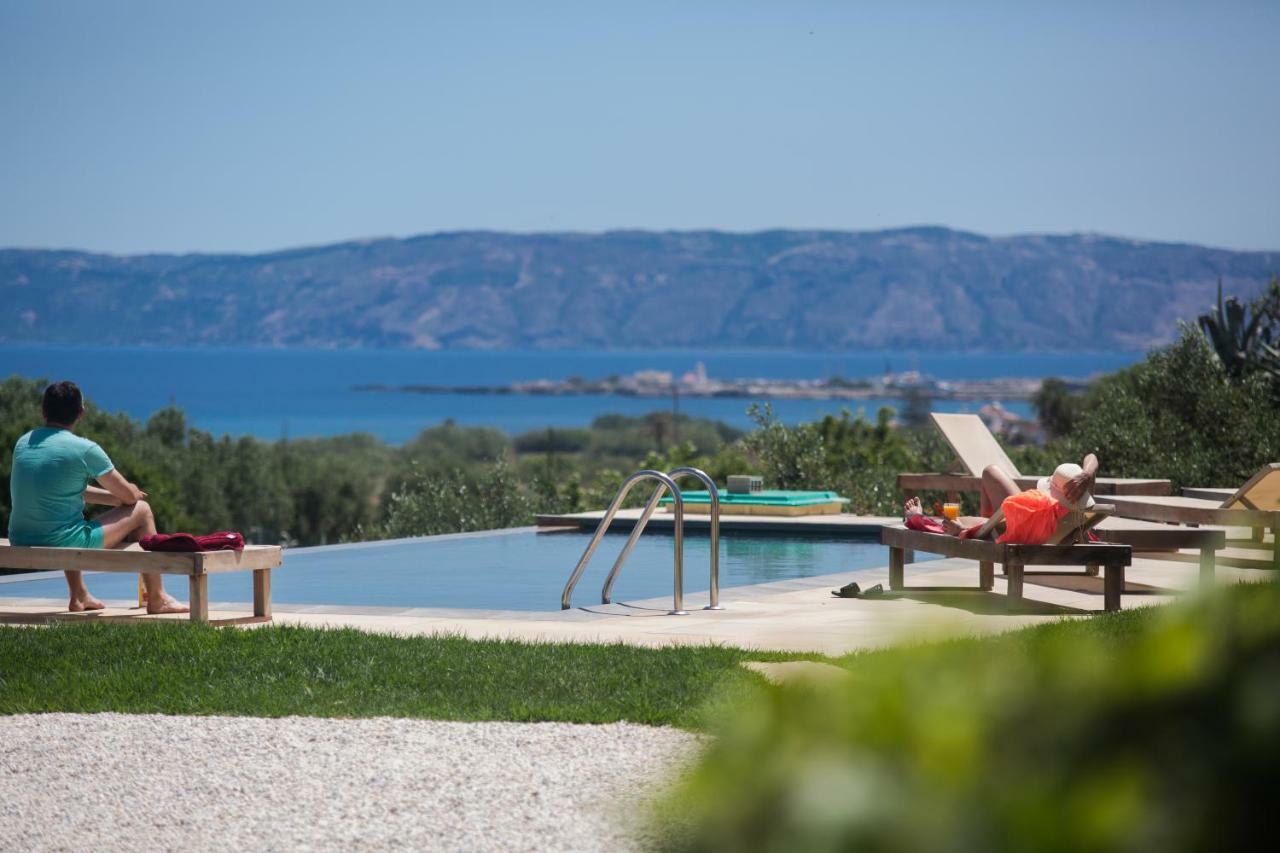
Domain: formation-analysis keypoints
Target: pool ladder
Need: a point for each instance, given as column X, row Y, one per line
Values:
column 666, row 483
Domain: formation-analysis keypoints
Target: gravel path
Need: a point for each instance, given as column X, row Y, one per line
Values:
column 90, row 781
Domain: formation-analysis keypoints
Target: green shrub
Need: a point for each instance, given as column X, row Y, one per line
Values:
column 453, row 501
column 1179, row 415
column 1150, row 731
column 849, row 454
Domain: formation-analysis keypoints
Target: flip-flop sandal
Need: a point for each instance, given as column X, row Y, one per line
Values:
column 852, row 590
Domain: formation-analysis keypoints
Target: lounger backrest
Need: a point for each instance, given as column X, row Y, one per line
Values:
column 1072, row 526
column 1262, row 491
column 973, row 443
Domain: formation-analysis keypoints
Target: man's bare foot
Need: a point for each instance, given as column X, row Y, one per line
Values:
column 166, row 603
column 81, row 603
column 912, row 507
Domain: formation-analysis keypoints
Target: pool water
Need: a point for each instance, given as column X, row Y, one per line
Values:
column 503, row 570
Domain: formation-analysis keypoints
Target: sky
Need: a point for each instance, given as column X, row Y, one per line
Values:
column 132, row 127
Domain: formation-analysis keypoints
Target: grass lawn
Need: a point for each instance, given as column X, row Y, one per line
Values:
column 1113, row 629
column 285, row 670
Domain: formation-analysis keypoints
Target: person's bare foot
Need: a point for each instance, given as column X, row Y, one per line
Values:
column 81, row 603
column 912, row 507
column 166, row 603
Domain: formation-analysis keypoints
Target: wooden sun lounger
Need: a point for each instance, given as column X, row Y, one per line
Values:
column 1256, row 505
column 259, row 559
column 1014, row 558
column 976, row 448
column 1151, row 536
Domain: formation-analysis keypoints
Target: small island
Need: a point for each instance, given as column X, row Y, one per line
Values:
column 696, row 383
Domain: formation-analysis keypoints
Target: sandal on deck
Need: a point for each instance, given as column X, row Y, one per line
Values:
column 852, row 590
column 849, row 590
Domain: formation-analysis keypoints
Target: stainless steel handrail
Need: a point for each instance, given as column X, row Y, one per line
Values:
column 649, row 509
column 666, row 483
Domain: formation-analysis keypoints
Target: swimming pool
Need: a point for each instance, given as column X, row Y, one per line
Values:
column 517, row 569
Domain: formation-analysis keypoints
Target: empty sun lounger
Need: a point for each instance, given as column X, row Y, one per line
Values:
column 975, row 448
column 1254, row 505
column 1169, row 539
column 131, row 559
column 1060, row 551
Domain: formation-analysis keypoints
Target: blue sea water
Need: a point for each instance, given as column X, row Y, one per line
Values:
column 306, row 392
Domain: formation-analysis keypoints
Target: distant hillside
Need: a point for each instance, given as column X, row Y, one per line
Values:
column 926, row 288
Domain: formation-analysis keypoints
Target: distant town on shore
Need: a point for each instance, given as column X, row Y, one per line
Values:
column 696, row 383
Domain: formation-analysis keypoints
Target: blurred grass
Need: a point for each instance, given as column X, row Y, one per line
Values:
column 1150, row 729
column 285, row 670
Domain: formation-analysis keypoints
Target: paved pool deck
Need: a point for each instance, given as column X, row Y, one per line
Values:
column 795, row 615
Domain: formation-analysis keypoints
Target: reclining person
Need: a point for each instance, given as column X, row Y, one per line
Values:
column 49, row 485
column 1031, row 516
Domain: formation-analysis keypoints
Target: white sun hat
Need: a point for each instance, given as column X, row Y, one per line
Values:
column 1055, row 486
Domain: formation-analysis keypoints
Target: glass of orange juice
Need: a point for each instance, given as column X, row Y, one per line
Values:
column 951, row 510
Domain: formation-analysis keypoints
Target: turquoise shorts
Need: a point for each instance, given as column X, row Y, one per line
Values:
column 87, row 534
column 91, row 532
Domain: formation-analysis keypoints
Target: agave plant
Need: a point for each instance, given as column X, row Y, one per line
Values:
column 1246, row 338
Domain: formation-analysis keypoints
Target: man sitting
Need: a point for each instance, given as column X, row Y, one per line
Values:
column 49, row 484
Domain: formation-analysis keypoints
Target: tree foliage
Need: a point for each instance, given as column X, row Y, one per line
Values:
column 1179, row 415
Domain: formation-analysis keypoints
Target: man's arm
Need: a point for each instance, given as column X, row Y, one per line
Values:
column 127, row 493
column 95, row 495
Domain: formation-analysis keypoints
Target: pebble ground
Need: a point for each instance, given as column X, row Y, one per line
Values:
column 150, row 782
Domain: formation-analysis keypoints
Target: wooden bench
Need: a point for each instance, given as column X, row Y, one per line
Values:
column 131, row 559
column 1014, row 559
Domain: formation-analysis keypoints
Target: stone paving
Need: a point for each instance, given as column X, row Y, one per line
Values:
column 795, row 615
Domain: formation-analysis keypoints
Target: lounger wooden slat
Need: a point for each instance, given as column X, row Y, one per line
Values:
column 131, row 559
column 1207, row 494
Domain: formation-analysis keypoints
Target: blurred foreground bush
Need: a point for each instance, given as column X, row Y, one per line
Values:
column 1149, row 730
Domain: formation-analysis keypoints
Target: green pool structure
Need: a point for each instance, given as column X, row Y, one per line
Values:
column 766, row 502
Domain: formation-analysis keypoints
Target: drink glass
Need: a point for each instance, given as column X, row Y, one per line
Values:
column 951, row 510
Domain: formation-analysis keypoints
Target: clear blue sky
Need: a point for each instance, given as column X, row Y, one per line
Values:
column 170, row 126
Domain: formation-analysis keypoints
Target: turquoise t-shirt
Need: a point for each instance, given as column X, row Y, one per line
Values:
column 51, row 467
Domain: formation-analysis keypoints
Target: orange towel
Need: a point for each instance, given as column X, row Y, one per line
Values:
column 1030, row 518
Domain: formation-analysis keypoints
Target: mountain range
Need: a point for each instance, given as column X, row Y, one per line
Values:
column 926, row 288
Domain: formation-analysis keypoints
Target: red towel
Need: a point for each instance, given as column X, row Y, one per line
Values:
column 925, row 523
column 225, row 540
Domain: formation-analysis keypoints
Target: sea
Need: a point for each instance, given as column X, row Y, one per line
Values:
column 300, row 393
